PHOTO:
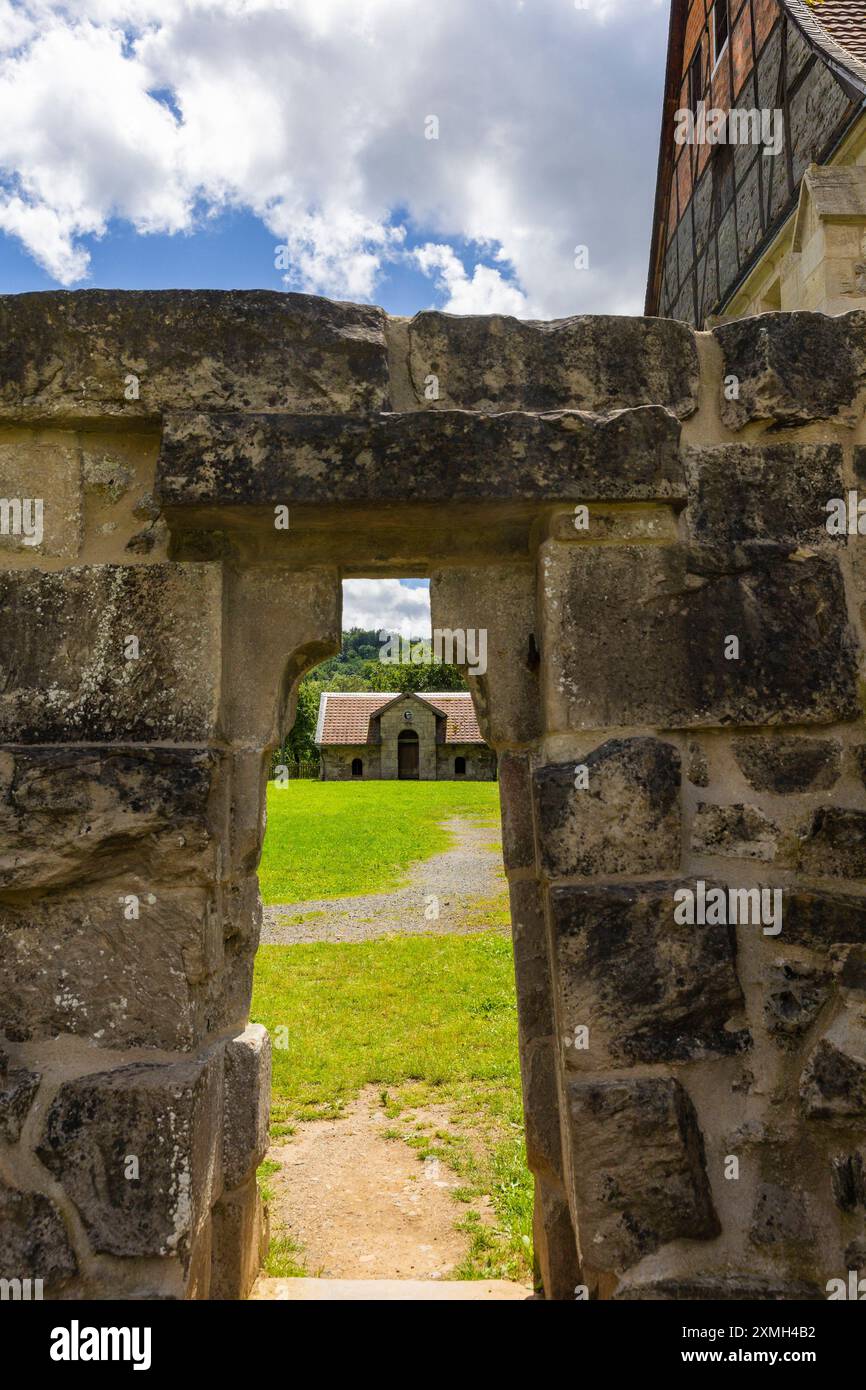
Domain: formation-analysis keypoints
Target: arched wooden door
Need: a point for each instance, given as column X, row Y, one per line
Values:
column 407, row 754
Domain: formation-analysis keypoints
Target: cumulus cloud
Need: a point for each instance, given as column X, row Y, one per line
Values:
column 314, row 115
column 386, row 604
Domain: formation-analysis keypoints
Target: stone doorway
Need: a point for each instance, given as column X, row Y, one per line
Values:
column 408, row 755
column 576, row 492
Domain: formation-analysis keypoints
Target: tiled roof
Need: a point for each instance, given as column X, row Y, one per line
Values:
column 345, row 717
column 845, row 21
column 461, row 726
column 839, row 29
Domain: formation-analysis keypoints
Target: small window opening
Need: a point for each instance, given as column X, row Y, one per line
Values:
column 720, row 28
column 696, row 81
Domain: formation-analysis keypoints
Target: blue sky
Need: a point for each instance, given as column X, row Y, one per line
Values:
column 231, row 251
column 286, row 144
column 179, row 143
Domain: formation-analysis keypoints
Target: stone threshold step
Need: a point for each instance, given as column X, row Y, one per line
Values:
column 389, row 1290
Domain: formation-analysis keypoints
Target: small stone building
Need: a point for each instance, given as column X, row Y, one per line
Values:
column 425, row 737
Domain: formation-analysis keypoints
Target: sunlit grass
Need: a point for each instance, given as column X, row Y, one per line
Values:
column 337, row 839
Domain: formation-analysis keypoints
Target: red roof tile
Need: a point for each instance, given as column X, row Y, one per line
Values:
column 345, row 718
column 838, row 26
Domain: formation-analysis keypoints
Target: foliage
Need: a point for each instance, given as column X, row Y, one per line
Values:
column 356, row 667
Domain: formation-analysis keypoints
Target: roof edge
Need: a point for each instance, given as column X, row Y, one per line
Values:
column 839, row 60
column 672, row 84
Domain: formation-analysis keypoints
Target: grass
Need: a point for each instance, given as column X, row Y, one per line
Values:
column 428, row 1020
column 336, row 839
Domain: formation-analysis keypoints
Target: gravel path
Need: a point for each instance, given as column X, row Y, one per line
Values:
column 460, row 878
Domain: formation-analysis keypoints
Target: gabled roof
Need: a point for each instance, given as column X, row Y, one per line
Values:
column 344, row 717
column 834, row 29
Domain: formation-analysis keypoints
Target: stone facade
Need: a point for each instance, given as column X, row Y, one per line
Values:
column 413, row 716
column 674, row 690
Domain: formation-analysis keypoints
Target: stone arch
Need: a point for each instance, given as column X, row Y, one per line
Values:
column 589, row 497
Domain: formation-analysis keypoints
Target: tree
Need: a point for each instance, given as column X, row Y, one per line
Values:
column 300, row 744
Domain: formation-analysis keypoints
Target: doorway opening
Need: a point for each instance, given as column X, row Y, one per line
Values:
column 397, row 1145
column 408, row 755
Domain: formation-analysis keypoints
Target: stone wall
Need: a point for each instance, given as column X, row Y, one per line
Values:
column 392, row 724
column 337, row 761
column 614, row 501
column 480, row 762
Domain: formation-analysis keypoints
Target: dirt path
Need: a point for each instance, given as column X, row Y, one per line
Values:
column 363, row 1206
column 460, row 879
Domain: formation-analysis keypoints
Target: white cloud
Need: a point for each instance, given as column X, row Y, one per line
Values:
column 487, row 292
column 312, row 115
column 386, row 604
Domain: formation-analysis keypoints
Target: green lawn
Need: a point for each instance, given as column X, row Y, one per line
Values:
column 336, row 839
column 427, row 1019
column 424, row 1019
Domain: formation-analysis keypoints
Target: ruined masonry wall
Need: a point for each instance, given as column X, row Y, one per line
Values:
column 695, row 1094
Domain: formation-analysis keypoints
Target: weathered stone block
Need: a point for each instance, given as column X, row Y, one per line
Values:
column 821, row 920
column 749, row 496
column 47, row 478
column 531, row 961
column 280, row 625
column 18, row 1087
column 739, row 830
column 240, row 1242
column 794, row 995
column 648, row 988
column 834, row 844
column 84, row 814
column 33, row 1240
column 538, row 1068
column 80, row 965
column 792, row 368
column 417, row 456
column 62, row 650
column 722, row 1286
column 499, row 600
column 833, row 1084
column 515, row 799
column 625, row 820
column 780, row 1216
column 639, row 1172
column 230, row 990
column 165, row 1117
column 698, row 771
column 848, row 1176
column 783, row 765
column 554, row 1246
column 72, row 355
column 631, row 636
column 246, row 1104
column 494, row 362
